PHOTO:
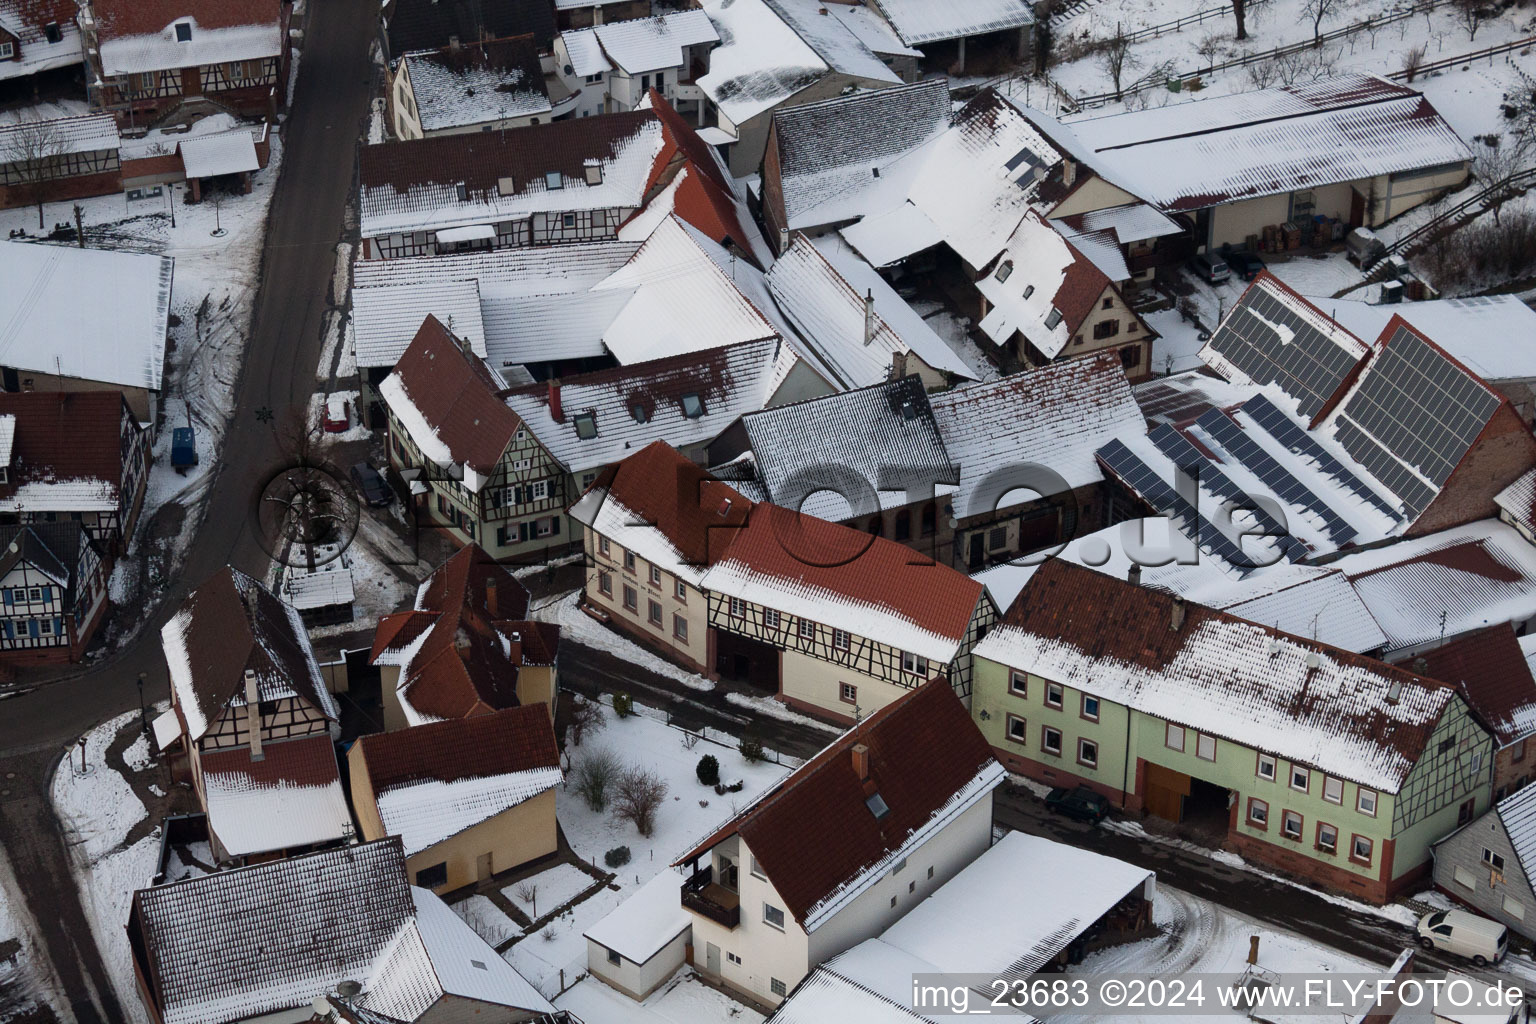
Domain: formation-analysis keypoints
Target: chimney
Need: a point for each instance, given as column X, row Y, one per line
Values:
column 1421, row 665
column 898, row 366
column 869, row 317
column 492, row 604
column 1176, row 621
column 1068, row 171
column 253, row 714
column 556, row 413
column 1133, row 575
column 860, row 761
column 1253, row 950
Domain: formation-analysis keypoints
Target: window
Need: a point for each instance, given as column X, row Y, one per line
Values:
column 538, row 490
column 1492, row 859
column 1174, row 738
column 567, row 220
column 1109, row 302
column 1130, row 356
column 629, row 561
column 1087, row 753
column 807, row 629
column 777, row 987
column 1090, row 708
column 7, row 50
column 841, row 640
column 1053, row 319
column 1105, row 329
column 1464, row 812
column 1266, row 768
column 184, row 35
column 772, row 619
column 847, row 693
column 1333, row 789
column 997, row 538
column 1205, row 747
column 1053, row 695
column 1301, row 779
column 1327, row 837
column 1258, row 813
column 1365, row 802
column 1050, row 740
column 1029, row 290
column 1018, row 684
column 733, row 958
column 613, row 957
column 1004, row 270
column 631, row 599
column 1290, row 824
column 693, row 406
column 904, row 524
column 914, row 664
column 1360, row 850
column 653, row 612
column 605, row 583
column 1018, row 729
column 604, row 545
column 432, row 877
column 757, row 869
column 772, row 915
column 145, row 82
column 462, row 191
column 1514, row 908
column 1465, row 878
column 586, row 426
column 34, row 594
column 680, row 628
column 645, row 83
column 680, row 590
column 655, row 576
column 553, row 180
column 738, row 608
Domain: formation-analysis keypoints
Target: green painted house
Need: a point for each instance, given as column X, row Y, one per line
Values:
column 1313, row 760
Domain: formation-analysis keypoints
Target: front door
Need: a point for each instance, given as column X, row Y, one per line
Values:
column 1356, row 209
column 191, row 82
column 483, row 867
column 1165, row 792
column 976, row 550
column 712, row 958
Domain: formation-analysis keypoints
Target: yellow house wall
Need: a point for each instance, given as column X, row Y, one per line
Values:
column 693, row 606
column 1096, row 194
column 515, row 836
column 818, row 682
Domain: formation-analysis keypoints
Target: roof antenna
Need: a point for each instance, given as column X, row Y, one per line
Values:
column 1442, row 625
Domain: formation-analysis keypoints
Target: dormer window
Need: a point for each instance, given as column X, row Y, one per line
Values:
column 1004, row 270
column 52, row 32
column 183, row 32
column 638, row 412
column 1052, row 320
column 586, row 426
column 7, row 49
column 553, row 181
column 877, row 806
column 693, row 406
column 1029, row 290
column 505, row 186
column 462, row 191
column 594, row 172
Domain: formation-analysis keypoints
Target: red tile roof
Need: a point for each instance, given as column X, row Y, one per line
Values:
column 64, row 435
column 1491, row 671
column 507, row 741
column 681, row 500
column 310, row 761
column 704, row 199
column 119, row 18
column 457, row 395
column 813, row 832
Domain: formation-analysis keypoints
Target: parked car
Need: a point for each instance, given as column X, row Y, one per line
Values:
column 1244, row 264
column 1211, row 270
column 1081, row 803
column 338, row 415
column 374, row 490
column 1466, row 934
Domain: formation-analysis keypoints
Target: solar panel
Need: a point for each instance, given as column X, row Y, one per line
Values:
column 1283, row 429
column 1158, row 493
column 1273, row 344
column 1414, row 406
column 1188, row 458
column 1236, row 442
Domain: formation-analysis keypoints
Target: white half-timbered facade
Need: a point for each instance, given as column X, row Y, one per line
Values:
column 53, row 590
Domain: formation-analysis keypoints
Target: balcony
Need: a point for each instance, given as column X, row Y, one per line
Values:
column 703, row 896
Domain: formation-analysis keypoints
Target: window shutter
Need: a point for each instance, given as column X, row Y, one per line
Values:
column 517, row 494
column 554, row 525
column 501, row 536
column 32, row 629
column 522, row 531
column 10, row 596
column 47, row 593
column 58, row 627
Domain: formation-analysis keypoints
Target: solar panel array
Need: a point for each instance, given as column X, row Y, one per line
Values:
column 1414, row 406
column 1273, row 344
column 1142, row 479
column 1188, row 458
column 1280, row 480
column 1283, row 429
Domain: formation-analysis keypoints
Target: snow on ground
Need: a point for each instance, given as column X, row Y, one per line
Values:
column 953, row 329
column 587, row 630
column 26, row 977
column 682, row 1000
column 97, row 810
column 356, row 430
column 1318, row 277
column 777, row 709
column 486, row 918
column 1178, row 344
column 689, row 812
column 45, row 111
column 555, row 887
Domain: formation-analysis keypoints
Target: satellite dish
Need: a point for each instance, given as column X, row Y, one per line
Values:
column 348, row 989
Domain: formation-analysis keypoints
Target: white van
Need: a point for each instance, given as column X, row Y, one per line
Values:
column 1456, row 931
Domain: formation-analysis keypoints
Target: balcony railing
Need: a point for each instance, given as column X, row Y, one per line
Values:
column 703, row 896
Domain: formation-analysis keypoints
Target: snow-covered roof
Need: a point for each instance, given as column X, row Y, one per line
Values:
column 425, row 813
column 640, row 45
column 85, row 133
column 1043, row 287
column 964, row 928
column 842, row 49
column 92, row 314
column 28, row 21
column 1188, row 156
column 827, row 995
column 207, row 156
column 872, row 30
column 502, row 300
column 1055, row 417
column 1518, row 500
column 585, row 52
column 1517, row 813
column 1346, row 714
column 1494, row 336
column 922, row 21
column 484, row 82
column 835, row 154
column 162, row 51
column 1133, row 222
column 327, row 586
column 289, row 799
column 642, row 925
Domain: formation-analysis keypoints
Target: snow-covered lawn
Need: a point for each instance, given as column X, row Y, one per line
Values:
column 682, row 1000
column 486, row 918
column 1318, row 277
column 688, row 813
column 554, row 887
column 576, row 623
column 1178, row 344
column 97, row 810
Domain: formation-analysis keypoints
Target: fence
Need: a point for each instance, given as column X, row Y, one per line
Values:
column 1495, row 193
column 1465, row 58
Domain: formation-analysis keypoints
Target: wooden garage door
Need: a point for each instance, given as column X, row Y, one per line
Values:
column 1165, row 792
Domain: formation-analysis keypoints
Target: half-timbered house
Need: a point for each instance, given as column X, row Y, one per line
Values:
column 466, row 648
column 253, row 720
column 145, row 58
column 65, row 158
column 76, row 455
column 498, row 466
column 53, row 591
column 37, row 36
column 827, row 618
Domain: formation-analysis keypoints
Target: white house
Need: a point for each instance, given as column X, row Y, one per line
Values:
column 614, row 65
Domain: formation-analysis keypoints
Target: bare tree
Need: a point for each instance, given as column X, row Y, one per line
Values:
column 32, row 156
column 1413, row 60
column 528, row 892
column 1496, row 159
column 1117, row 60
column 595, row 776
column 1471, row 14
column 1240, row 15
column 637, row 795
column 1208, row 49
column 586, row 716
column 1320, row 11
column 1262, row 73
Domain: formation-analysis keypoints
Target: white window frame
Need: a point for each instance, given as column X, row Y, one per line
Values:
column 772, row 619
column 538, row 490
column 1286, row 817
column 1367, row 795
column 1088, row 762
column 7, row 49
column 768, row 918
column 1018, row 683
column 805, row 629
column 1046, row 731
column 1203, row 739
column 1274, row 768
column 1059, row 699
column 1337, row 786
column 914, row 664
column 1306, row 779
column 1263, row 806
column 841, row 640
column 1168, row 735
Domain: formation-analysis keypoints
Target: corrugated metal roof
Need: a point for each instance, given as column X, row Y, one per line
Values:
column 924, row 21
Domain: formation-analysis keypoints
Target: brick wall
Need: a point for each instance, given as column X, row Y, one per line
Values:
column 62, row 190
column 1503, row 451
column 774, row 217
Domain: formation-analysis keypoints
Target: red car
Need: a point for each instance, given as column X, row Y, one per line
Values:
column 337, row 418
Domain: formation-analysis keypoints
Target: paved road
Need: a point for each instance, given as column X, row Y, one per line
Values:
column 305, row 223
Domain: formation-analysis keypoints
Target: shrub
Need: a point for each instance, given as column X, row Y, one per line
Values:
column 617, row 857
column 637, row 795
column 708, row 770
column 594, row 776
column 586, row 716
column 751, row 749
column 690, row 740
column 722, row 788
column 623, row 705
